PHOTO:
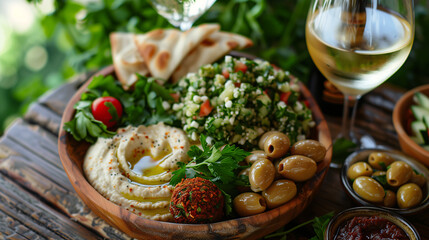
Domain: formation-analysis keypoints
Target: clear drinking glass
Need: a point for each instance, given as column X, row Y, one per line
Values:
column 182, row 13
column 359, row 44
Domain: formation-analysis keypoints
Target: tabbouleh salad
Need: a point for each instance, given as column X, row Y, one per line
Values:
column 236, row 101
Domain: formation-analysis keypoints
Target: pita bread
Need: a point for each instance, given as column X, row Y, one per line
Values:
column 126, row 59
column 164, row 49
column 209, row 50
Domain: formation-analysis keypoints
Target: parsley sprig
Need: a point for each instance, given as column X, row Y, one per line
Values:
column 142, row 106
column 319, row 225
column 217, row 164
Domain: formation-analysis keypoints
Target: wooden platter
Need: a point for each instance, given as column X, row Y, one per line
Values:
column 72, row 153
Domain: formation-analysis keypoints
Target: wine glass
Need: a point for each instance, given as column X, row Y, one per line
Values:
column 182, row 13
column 359, row 44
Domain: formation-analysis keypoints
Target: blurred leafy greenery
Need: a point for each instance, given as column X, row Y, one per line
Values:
column 76, row 38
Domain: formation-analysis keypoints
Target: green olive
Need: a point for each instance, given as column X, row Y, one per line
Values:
column 389, row 199
column 255, row 155
column 249, row 203
column 275, row 144
column 378, row 173
column 368, row 189
column 380, row 160
column 418, row 179
column 279, row 193
column 409, row 195
column 309, row 148
column 298, row 168
column 276, row 166
column 261, row 175
column 398, row 173
column 263, row 139
column 359, row 169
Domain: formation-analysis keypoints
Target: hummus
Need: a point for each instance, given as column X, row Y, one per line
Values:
column 133, row 168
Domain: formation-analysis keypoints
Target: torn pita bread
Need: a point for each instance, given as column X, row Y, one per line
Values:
column 164, row 49
column 126, row 59
column 209, row 50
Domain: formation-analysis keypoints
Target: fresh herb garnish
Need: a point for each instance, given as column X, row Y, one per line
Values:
column 214, row 164
column 319, row 225
column 143, row 106
column 382, row 165
column 341, row 149
column 382, row 180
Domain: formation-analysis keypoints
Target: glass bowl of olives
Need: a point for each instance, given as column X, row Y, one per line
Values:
column 386, row 179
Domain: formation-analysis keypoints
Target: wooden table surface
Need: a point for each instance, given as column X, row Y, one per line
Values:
column 37, row 200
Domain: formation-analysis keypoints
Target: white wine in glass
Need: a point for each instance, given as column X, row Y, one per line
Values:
column 182, row 13
column 359, row 44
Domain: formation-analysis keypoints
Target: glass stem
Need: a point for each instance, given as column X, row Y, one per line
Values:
column 347, row 128
column 184, row 26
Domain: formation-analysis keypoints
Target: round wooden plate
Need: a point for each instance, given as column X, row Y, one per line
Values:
column 72, row 154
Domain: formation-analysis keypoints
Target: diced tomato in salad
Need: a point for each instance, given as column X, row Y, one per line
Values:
column 205, row 108
column 175, row 96
column 240, row 67
column 285, row 96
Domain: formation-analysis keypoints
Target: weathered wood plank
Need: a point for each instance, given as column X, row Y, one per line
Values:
column 36, row 215
column 35, row 139
column 10, row 228
column 26, row 158
column 57, row 99
column 44, row 117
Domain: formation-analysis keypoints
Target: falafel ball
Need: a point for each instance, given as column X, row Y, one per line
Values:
column 196, row 200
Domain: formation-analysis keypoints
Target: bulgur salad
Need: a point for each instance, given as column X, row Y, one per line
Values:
column 238, row 100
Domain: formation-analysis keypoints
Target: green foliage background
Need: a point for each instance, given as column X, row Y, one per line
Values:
column 76, row 38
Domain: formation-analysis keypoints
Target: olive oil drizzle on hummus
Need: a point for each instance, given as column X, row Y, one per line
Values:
column 144, row 165
column 145, row 199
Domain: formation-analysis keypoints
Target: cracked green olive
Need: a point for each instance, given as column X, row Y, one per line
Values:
column 380, row 160
column 309, row 148
column 359, row 169
column 409, row 195
column 275, row 144
column 418, row 179
column 398, row 173
column 279, row 193
column 255, row 155
column 368, row 189
column 298, row 168
column 249, row 203
column 261, row 175
column 389, row 199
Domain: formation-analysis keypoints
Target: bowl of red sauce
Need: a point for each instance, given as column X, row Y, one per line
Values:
column 369, row 223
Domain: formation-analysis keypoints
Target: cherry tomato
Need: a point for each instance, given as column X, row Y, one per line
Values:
column 205, row 108
column 225, row 73
column 100, row 110
column 241, row 67
column 285, row 96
